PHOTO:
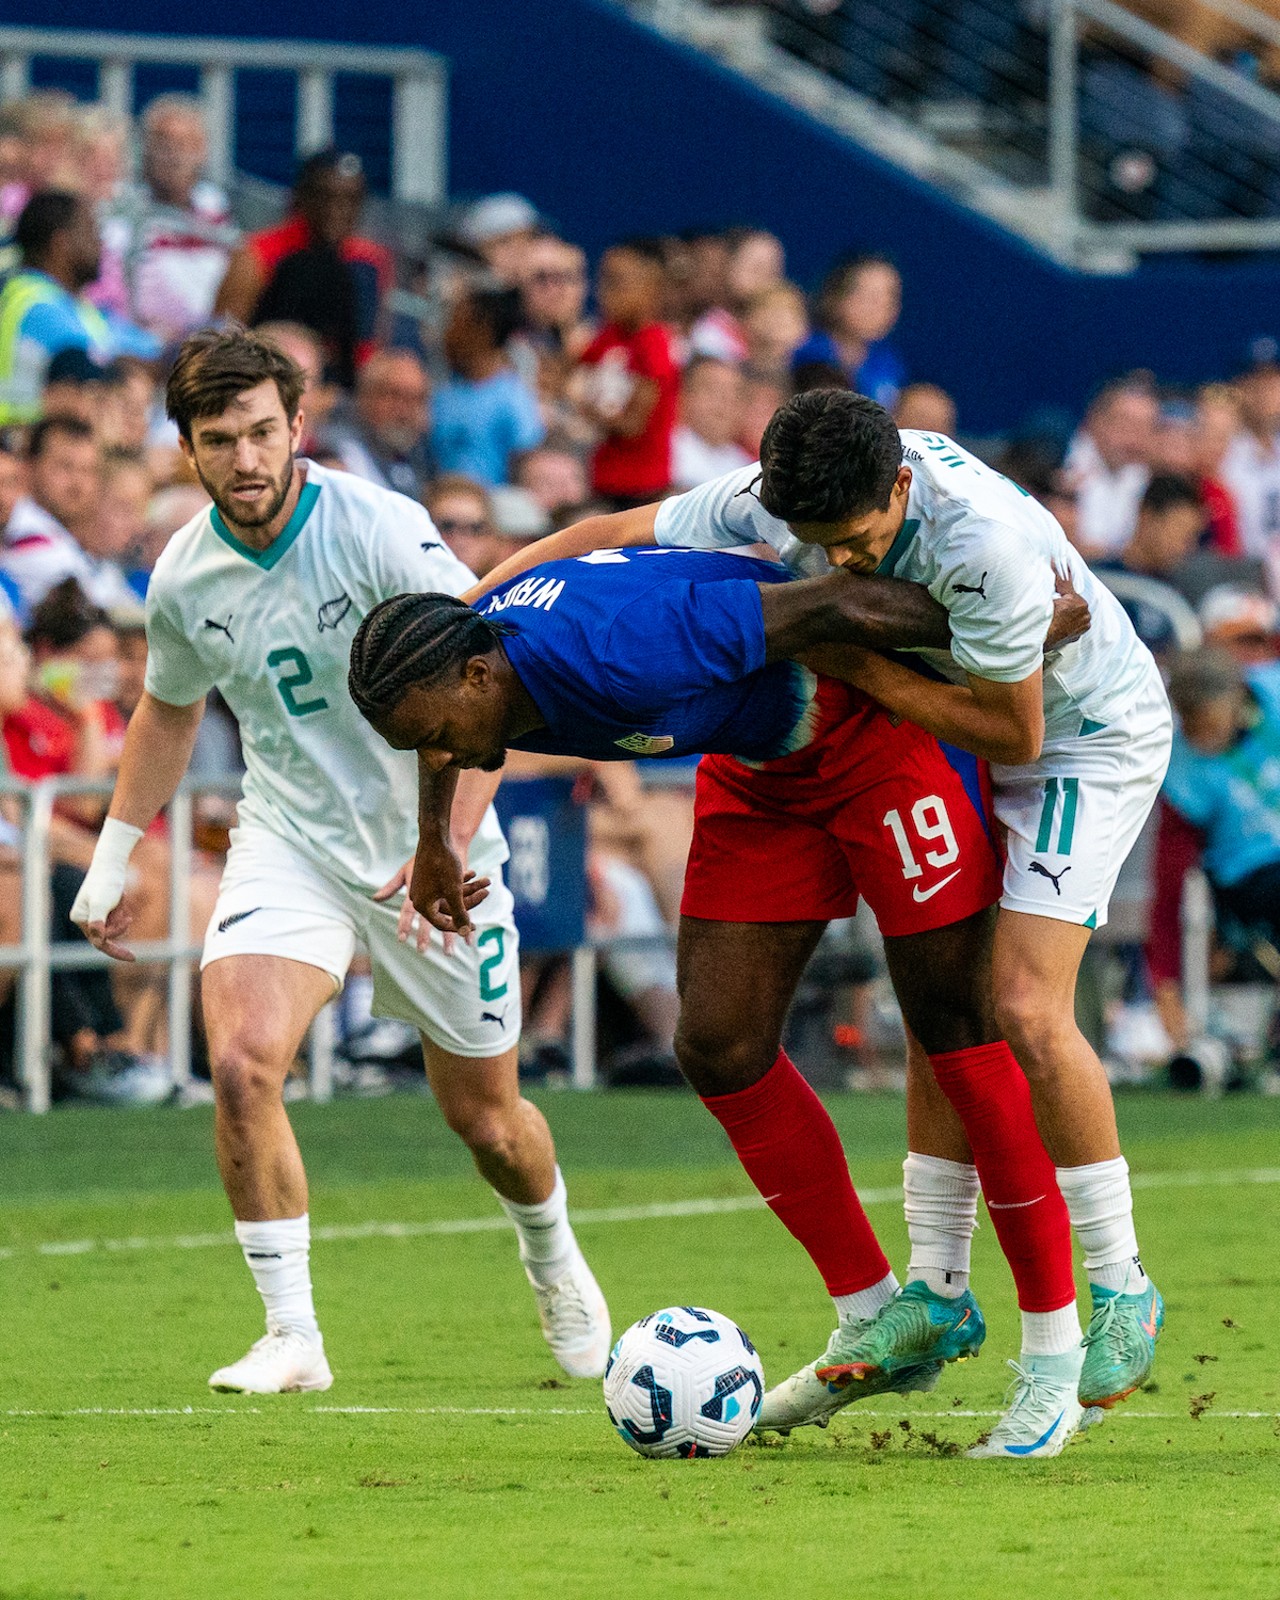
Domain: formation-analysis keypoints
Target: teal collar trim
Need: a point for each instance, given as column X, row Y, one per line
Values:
column 283, row 541
column 896, row 551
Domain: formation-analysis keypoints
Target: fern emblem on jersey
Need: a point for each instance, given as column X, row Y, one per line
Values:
column 332, row 612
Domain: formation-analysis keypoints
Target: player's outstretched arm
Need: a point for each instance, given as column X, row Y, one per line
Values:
column 847, row 608
column 620, row 530
column 157, row 749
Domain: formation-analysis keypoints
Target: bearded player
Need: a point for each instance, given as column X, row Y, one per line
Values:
column 259, row 596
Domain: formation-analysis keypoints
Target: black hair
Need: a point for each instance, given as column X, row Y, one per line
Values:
column 646, row 247
column 344, row 162
column 41, row 432
column 1168, row 490
column 65, row 616
column 44, row 216
column 500, row 309
column 412, row 639
column 826, row 455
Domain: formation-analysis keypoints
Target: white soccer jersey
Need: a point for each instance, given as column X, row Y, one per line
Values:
column 272, row 631
column 1251, row 471
column 986, row 551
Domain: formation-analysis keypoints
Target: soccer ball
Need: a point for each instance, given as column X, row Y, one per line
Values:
column 683, row 1382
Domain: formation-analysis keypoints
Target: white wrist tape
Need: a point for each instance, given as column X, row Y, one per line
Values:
column 104, row 883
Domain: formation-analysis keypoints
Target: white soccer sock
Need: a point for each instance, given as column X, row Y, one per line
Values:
column 1100, row 1205
column 941, row 1202
column 863, row 1304
column 1052, row 1333
column 546, row 1240
column 278, row 1254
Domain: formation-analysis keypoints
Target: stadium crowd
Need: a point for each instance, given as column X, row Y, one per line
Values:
column 536, row 396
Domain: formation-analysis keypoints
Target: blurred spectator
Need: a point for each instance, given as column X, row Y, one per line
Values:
column 757, row 264
column 1109, row 463
column 807, row 375
column 319, row 396
column 76, row 386
column 42, row 132
column 501, row 229
column 485, row 413
column 314, row 267
column 713, row 397
column 77, row 671
column 858, row 308
column 13, row 474
column 1217, row 421
column 122, row 509
column 1225, row 781
column 1251, row 465
column 926, row 407
column 1242, row 622
column 710, row 327
column 42, row 307
column 100, row 154
column 172, row 508
column 517, row 516
column 556, row 328
column 764, row 396
column 627, row 382
column 382, row 434
column 1144, row 575
column 463, row 516
column 775, row 324
column 555, row 478
column 53, row 534
column 171, row 233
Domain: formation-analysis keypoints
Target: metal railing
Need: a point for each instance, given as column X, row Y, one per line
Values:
column 1076, row 123
column 39, row 955
column 419, row 90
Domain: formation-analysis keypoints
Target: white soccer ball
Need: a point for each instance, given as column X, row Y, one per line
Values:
column 683, row 1382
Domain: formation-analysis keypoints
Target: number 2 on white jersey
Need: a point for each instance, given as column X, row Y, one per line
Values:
column 928, row 828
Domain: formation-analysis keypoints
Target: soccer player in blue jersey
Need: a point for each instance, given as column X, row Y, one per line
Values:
column 810, row 796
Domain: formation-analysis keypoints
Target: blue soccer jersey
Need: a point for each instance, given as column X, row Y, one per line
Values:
column 652, row 653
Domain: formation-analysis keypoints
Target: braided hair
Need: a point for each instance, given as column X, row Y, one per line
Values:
column 826, row 455
column 412, row 639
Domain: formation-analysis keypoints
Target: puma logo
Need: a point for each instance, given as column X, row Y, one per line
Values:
column 1053, row 877
column 494, row 1016
column 332, row 612
column 972, row 588
column 237, row 916
column 222, row 627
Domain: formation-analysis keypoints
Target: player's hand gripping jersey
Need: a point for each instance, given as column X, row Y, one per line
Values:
column 986, row 551
column 272, row 631
column 652, row 653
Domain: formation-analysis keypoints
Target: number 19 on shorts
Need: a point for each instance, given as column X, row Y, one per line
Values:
column 930, row 825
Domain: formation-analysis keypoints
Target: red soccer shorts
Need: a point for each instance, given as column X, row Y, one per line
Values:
column 866, row 809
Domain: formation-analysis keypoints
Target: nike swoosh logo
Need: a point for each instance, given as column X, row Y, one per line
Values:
column 1026, row 1449
column 928, row 894
column 1150, row 1328
column 1014, row 1205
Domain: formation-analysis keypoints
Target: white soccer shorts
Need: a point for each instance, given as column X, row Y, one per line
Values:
column 274, row 901
column 1072, row 817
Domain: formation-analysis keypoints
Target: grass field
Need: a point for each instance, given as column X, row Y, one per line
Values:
column 448, row 1459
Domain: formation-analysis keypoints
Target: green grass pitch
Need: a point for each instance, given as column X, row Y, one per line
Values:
column 450, row 1461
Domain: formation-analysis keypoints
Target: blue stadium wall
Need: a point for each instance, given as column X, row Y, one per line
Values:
column 609, row 128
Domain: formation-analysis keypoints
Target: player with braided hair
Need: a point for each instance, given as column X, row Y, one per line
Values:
column 260, row 595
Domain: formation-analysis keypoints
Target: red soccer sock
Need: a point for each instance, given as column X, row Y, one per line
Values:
column 792, row 1153
column 991, row 1096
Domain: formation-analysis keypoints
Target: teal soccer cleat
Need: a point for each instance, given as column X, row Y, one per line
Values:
column 1120, row 1346
column 916, row 1327
column 805, row 1399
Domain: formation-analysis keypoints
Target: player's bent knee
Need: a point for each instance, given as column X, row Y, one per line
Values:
column 1031, row 1022
column 722, row 1063
column 485, row 1130
column 245, row 1075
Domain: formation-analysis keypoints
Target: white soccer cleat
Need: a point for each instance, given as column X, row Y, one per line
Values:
column 804, row 1399
column 286, row 1362
column 1044, row 1412
column 575, row 1319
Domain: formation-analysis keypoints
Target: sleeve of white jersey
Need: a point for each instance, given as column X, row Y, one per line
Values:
column 175, row 673
column 410, row 557
column 721, row 515
column 999, row 595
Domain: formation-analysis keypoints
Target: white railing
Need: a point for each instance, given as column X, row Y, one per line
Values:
column 38, row 956
column 419, row 90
